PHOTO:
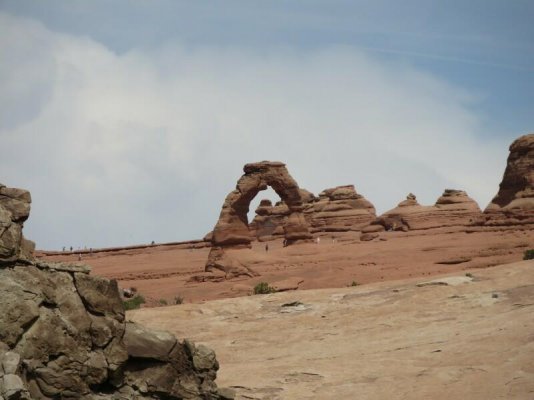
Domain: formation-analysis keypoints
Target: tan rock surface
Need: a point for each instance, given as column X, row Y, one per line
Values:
column 389, row 340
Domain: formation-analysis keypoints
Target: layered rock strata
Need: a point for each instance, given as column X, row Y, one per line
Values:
column 270, row 220
column 453, row 208
column 513, row 206
column 63, row 333
column 232, row 229
column 339, row 209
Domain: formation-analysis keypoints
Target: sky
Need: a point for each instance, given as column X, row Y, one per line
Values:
column 130, row 121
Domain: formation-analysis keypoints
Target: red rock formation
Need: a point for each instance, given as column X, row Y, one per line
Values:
column 339, row 209
column 453, row 208
column 514, row 203
column 232, row 228
column 269, row 220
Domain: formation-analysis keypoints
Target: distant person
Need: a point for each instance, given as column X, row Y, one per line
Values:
column 71, row 249
column 152, row 243
column 266, row 246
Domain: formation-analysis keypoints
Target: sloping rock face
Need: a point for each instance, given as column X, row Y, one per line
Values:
column 14, row 210
column 232, row 229
column 453, row 208
column 339, row 209
column 514, row 203
column 63, row 334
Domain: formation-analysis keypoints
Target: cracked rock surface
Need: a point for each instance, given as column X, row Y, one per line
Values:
column 63, row 333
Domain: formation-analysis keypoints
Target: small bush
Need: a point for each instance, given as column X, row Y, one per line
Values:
column 163, row 302
column 529, row 255
column 469, row 275
column 354, row 283
column 178, row 300
column 133, row 303
column 263, row 288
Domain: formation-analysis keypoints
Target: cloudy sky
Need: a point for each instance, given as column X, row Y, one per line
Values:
column 130, row 121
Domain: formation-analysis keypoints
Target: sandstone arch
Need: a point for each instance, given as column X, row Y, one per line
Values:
column 232, row 230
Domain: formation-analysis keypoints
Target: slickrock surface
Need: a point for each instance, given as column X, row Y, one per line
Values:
column 459, row 337
column 514, row 203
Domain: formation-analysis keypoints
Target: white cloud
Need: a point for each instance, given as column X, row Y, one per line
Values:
column 121, row 149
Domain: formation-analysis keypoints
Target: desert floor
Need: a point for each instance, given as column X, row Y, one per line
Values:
column 461, row 337
column 163, row 272
column 470, row 336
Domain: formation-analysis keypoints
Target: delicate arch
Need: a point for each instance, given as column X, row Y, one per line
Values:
column 232, row 227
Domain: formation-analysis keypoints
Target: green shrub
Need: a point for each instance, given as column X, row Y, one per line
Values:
column 133, row 303
column 178, row 300
column 469, row 275
column 529, row 255
column 354, row 283
column 163, row 302
column 263, row 288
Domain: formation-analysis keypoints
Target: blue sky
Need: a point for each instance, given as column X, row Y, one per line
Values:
column 130, row 120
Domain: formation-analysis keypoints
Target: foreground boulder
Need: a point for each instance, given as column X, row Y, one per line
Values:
column 14, row 210
column 513, row 206
column 63, row 333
